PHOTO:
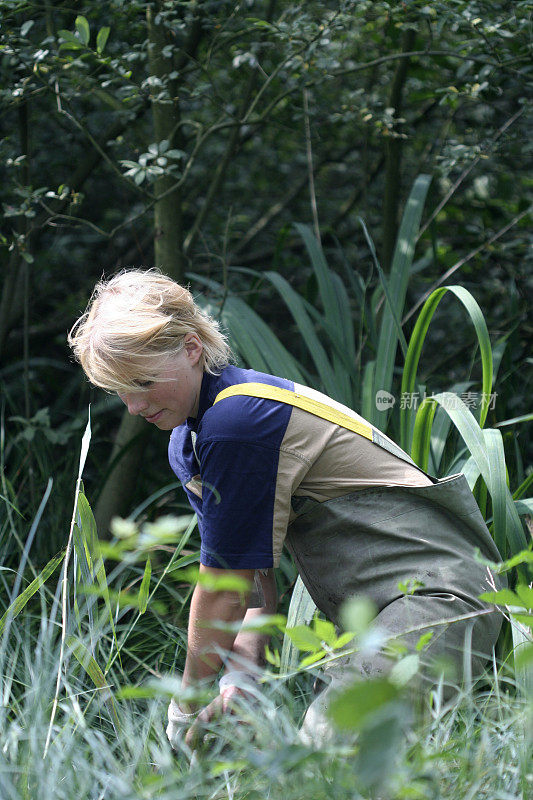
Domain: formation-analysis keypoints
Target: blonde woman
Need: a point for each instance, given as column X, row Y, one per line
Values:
column 267, row 463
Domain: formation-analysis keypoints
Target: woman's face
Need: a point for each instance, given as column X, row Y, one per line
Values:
column 168, row 402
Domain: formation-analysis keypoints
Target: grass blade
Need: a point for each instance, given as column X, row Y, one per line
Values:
column 498, row 480
column 386, row 290
column 301, row 611
column 422, row 433
column 336, row 306
column 494, row 477
column 417, row 341
column 397, row 282
column 94, row 672
column 30, row 538
column 296, row 306
column 471, row 472
column 367, row 390
column 24, row 597
column 145, row 587
column 86, row 438
column 256, row 342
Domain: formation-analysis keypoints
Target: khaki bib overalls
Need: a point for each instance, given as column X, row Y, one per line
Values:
column 367, row 542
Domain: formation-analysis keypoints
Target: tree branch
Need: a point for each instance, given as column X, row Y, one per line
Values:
column 464, row 260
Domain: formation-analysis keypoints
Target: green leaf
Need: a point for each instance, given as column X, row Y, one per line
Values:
column 524, row 507
column 101, row 39
column 525, row 619
column 92, row 669
column 312, row 659
column 304, row 638
column 505, row 597
column 397, row 282
column 90, row 542
column 145, row 587
column 296, row 306
column 252, row 338
column 70, row 39
column 24, row 597
column 367, row 390
column 82, row 26
column 523, row 657
column 525, row 593
column 166, row 687
column 336, row 307
column 403, row 671
column 226, row 581
column 325, row 630
column 24, row 29
column 356, row 704
column 272, row 657
column 344, row 639
column 415, row 348
column 386, row 290
column 357, row 613
column 514, row 420
column 523, row 557
column 124, row 599
column 476, row 441
column 301, row 612
column 424, row 640
column 498, row 480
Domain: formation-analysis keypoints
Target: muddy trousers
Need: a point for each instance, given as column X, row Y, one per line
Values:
column 366, row 543
column 458, row 650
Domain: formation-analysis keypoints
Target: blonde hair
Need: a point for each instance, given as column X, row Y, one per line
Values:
column 133, row 323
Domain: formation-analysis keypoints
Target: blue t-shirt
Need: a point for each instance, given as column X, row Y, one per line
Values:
column 227, row 460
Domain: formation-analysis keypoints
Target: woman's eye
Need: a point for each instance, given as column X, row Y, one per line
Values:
column 144, row 384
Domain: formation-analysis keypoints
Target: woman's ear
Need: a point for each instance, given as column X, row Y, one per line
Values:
column 193, row 347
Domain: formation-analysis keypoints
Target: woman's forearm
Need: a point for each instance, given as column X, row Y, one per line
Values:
column 249, row 647
column 205, row 643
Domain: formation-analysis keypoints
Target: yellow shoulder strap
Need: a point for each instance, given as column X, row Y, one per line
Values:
column 319, row 409
column 300, row 401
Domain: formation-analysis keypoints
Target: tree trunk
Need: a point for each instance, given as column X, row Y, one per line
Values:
column 128, row 450
column 168, row 219
column 115, row 497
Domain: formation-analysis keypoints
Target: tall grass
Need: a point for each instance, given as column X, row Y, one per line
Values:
column 107, row 738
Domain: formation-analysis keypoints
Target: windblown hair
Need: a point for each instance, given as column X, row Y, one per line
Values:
column 133, row 323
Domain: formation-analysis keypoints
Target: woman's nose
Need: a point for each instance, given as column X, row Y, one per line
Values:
column 136, row 402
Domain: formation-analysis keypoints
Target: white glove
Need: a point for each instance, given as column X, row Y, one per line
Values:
column 178, row 723
column 244, row 682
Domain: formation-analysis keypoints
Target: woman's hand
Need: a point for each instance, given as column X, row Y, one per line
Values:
column 223, row 704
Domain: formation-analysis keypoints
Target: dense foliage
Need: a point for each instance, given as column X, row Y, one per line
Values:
column 230, row 121
column 324, row 175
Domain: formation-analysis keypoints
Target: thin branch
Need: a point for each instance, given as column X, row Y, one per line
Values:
column 231, row 149
column 464, row 260
column 309, row 152
column 51, row 221
column 283, row 63
column 100, row 150
column 413, row 53
column 467, row 171
column 382, row 60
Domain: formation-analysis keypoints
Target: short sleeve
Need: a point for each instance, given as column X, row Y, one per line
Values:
column 184, row 465
column 238, row 493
